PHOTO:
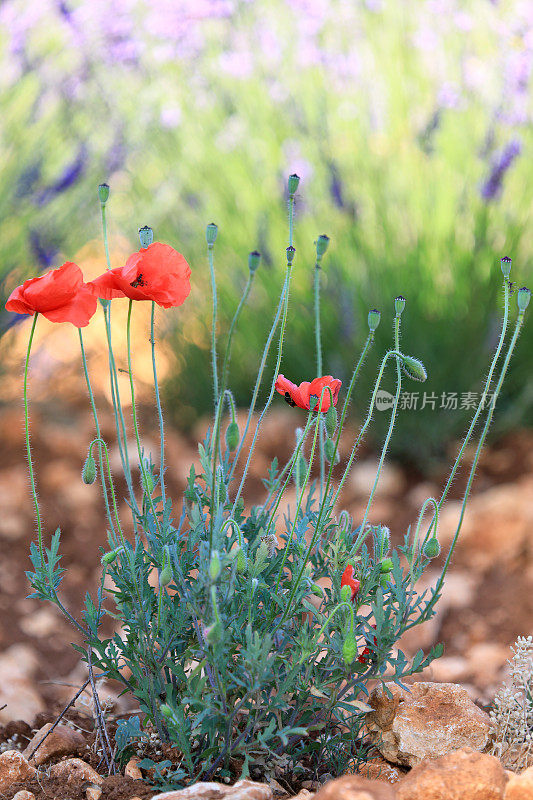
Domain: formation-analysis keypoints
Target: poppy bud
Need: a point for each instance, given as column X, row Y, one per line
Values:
column 166, row 710
column 506, row 263
column 293, row 183
column 414, row 368
column 332, row 455
column 301, row 466
column 432, row 547
column 108, row 558
column 103, row 193
column 399, row 304
column 317, row 590
column 146, row 235
column 331, row 420
column 346, row 592
column 232, row 436
column 385, row 580
column 88, row 474
column 166, row 576
column 321, row 245
column 374, row 317
column 253, row 261
column 213, row 634
column 386, row 564
column 239, row 507
column 211, row 234
column 349, row 648
column 241, row 561
column 290, row 254
column 215, row 566
column 523, row 298
column 148, row 482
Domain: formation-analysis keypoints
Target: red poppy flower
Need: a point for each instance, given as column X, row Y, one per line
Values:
column 301, row 395
column 157, row 272
column 60, row 295
column 348, row 579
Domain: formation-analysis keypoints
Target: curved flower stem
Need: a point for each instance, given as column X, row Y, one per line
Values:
column 214, row 322
column 136, row 425
column 103, row 447
column 159, row 410
column 98, row 434
column 28, row 449
column 318, row 340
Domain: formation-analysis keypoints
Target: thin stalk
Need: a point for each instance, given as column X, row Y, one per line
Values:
column 103, row 447
column 318, row 340
column 213, row 322
column 214, row 493
column 225, row 364
column 28, row 449
column 159, row 410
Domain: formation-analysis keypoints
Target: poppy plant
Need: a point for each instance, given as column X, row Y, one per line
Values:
column 60, row 295
column 365, row 653
column 301, row 395
column 157, row 272
column 349, row 579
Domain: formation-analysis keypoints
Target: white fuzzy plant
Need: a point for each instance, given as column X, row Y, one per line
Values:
column 512, row 714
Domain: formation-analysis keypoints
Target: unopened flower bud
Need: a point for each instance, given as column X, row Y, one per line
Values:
column 317, row 590
column 414, row 368
column 103, row 193
column 349, row 648
column 385, row 580
column 215, row 566
column 88, row 474
column 523, row 298
column 213, row 634
column 239, row 507
column 301, row 466
column 253, row 261
column 232, row 436
column 211, row 234
column 346, row 592
column 399, row 304
column 321, row 245
column 148, row 481
column 374, row 317
column 506, row 264
column 386, row 565
column 432, row 548
column 241, row 561
column 332, row 454
column 331, row 420
column 109, row 557
column 166, row 710
column 293, row 183
column 291, row 251
column 146, row 235
column 166, row 576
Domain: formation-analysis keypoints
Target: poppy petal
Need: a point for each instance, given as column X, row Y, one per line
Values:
column 78, row 311
column 106, row 286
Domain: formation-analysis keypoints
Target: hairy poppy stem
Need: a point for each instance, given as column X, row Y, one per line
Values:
column 28, row 448
column 213, row 322
column 227, row 355
column 103, row 447
column 98, row 434
column 159, row 410
column 318, row 341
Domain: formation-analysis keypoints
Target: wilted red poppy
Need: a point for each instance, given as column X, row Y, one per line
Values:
column 364, row 657
column 348, row 579
column 301, row 395
column 157, row 272
column 60, row 295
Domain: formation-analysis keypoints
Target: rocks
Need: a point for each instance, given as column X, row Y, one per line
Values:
column 427, row 722
column 379, row 769
column 520, row 787
column 63, row 741
column 24, row 795
column 132, row 770
column 242, row 790
column 13, row 769
column 17, row 690
column 462, row 775
column 355, row 787
column 74, row 770
column 92, row 791
column 362, row 476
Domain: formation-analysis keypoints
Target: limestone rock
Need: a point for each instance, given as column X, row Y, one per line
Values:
column 13, row 769
column 379, row 769
column 462, row 775
column 132, row 770
column 63, row 741
column 355, row 787
column 75, row 771
column 520, row 787
column 428, row 721
column 242, row 790
column 24, row 795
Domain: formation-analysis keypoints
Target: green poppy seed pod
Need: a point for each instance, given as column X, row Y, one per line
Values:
column 232, row 436
column 332, row 456
column 103, row 193
column 432, row 548
column 321, row 245
column 385, row 565
column 399, row 304
column 331, row 421
column 253, row 261
column 523, row 298
column 239, row 507
column 213, row 634
column 346, row 592
column 166, row 576
column 374, row 317
column 166, row 710
column 211, row 234
column 349, row 649
column 414, row 368
column 146, row 235
column 506, row 264
column 88, row 474
column 293, row 183
column 291, row 251
column 215, row 566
